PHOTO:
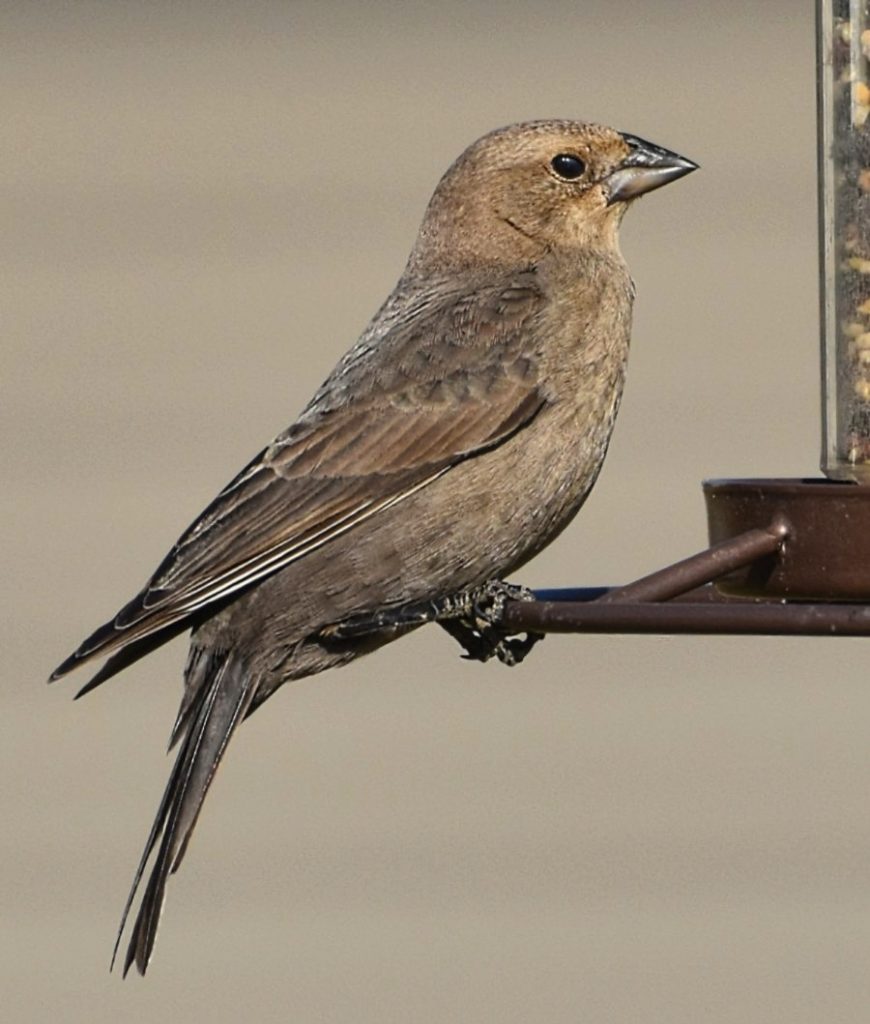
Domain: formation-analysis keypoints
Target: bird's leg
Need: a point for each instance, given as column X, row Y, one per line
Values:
column 471, row 616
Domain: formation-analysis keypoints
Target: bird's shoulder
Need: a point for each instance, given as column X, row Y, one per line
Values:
column 438, row 340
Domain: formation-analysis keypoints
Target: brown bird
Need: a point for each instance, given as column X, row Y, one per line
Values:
column 457, row 437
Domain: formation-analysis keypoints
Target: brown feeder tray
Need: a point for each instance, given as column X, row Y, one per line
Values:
column 826, row 552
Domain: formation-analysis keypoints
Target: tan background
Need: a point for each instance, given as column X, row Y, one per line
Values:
column 202, row 206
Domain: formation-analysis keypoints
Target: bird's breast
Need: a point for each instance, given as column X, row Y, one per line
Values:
column 559, row 456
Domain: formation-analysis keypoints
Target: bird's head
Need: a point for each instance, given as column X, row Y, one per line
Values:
column 539, row 186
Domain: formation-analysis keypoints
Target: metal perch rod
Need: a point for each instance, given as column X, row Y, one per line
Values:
column 679, row 599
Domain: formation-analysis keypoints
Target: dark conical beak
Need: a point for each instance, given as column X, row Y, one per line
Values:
column 646, row 167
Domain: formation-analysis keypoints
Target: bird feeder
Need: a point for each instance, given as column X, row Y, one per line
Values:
column 786, row 556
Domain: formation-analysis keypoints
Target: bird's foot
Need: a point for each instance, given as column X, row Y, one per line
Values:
column 475, row 622
column 471, row 616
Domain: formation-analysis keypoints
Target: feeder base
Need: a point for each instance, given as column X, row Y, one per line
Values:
column 826, row 554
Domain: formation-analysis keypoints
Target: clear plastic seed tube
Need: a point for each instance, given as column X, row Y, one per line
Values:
column 844, row 224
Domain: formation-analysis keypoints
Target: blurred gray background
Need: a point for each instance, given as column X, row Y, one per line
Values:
column 203, row 203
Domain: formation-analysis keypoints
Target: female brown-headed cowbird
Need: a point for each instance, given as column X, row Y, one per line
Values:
column 456, row 438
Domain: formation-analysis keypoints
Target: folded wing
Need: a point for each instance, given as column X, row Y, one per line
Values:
column 448, row 384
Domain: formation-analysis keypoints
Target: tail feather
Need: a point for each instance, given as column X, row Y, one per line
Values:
column 219, row 704
column 199, row 667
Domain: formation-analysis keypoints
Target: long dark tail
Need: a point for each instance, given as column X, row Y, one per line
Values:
column 219, row 691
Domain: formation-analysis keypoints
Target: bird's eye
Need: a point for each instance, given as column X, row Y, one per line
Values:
column 568, row 166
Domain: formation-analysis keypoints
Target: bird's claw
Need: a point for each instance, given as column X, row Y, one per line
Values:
column 476, row 623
